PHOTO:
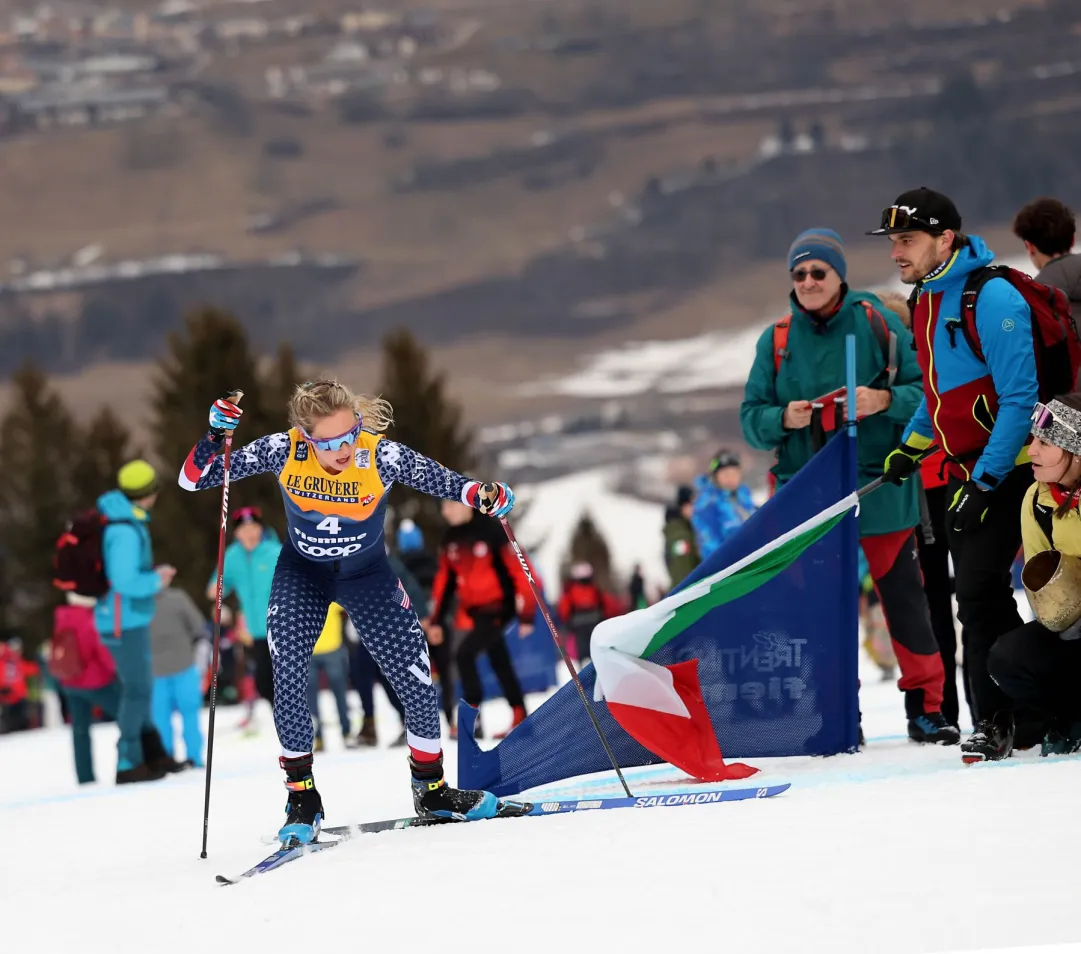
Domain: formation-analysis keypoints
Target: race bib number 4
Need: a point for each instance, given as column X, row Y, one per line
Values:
column 332, row 546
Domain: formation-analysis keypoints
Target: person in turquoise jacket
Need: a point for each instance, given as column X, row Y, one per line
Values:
column 122, row 617
column 249, row 571
column 801, row 360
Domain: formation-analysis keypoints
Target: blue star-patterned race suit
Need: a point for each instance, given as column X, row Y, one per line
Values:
column 336, row 552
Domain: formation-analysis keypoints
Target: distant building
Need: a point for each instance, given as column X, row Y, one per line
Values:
column 81, row 105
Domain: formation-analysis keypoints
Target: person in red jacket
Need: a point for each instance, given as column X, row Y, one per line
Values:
column 476, row 565
column 583, row 605
column 14, row 671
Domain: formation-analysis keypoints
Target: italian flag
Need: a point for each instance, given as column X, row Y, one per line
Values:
column 661, row 706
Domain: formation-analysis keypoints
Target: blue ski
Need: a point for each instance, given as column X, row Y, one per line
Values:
column 670, row 800
column 280, row 857
column 512, row 808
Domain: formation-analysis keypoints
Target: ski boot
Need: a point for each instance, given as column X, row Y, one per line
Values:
column 932, row 727
column 157, row 759
column 433, row 798
column 304, row 810
column 127, row 774
column 1061, row 741
column 991, row 742
column 517, row 718
column 365, row 737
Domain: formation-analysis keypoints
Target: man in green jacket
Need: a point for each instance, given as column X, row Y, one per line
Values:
column 801, row 359
column 680, row 547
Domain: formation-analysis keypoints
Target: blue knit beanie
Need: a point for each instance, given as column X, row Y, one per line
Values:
column 823, row 244
column 410, row 538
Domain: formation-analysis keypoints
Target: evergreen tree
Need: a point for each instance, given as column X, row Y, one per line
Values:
column 211, row 357
column 426, row 419
column 103, row 449
column 37, row 498
column 282, row 380
column 588, row 546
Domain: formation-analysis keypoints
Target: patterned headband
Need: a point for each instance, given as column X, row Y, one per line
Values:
column 1056, row 424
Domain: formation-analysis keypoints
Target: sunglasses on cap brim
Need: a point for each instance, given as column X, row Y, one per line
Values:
column 334, row 443
column 1044, row 418
column 896, row 219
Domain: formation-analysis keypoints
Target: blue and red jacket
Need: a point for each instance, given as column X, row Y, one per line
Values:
column 977, row 411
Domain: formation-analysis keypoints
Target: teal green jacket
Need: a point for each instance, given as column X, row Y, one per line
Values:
column 815, row 365
column 250, row 576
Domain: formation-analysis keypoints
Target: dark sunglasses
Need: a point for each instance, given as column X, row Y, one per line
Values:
column 799, row 275
column 903, row 220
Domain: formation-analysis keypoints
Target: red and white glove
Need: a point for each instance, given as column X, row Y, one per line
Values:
column 224, row 416
column 492, row 499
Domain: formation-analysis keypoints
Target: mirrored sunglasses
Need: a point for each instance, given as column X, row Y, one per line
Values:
column 1043, row 418
column 897, row 218
column 335, row 443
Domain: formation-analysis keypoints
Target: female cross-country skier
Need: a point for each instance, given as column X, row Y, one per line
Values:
column 334, row 467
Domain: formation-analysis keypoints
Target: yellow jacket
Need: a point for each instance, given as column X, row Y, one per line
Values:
column 1065, row 529
column 330, row 639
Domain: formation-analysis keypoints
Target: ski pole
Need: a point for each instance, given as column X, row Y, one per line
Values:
column 879, row 481
column 539, row 597
column 234, row 397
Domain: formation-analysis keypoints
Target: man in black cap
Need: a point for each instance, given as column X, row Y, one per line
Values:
column 980, row 385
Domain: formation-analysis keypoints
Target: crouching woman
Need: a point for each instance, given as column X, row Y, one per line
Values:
column 1039, row 665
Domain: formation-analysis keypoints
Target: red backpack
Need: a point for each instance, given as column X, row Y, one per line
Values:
column 66, row 661
column 886, row 339
column 78, row 566
column 1054, row 333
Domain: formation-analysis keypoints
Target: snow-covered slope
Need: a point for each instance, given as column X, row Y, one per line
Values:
column 896, row 849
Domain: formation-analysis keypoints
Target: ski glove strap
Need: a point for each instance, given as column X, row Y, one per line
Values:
column 969, row 506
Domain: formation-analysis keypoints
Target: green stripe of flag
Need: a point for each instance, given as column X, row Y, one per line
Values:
column 746, row 575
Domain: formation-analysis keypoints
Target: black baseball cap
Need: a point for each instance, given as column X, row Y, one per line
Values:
column 919, row 210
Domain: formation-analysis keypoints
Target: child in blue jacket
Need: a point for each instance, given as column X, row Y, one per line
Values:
column 723, row 503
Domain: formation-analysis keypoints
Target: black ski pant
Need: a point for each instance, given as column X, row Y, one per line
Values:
column 487, row 637
column 982, row 561
column 935, row 565
column 264, row 669
column 1040, row 672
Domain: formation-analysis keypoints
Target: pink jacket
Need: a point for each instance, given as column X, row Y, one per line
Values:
column 99, row 669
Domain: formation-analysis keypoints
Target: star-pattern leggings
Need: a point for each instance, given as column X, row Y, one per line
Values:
column 384, row 619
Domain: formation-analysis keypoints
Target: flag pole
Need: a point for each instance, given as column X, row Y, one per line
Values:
column 543, row 607
column 849, row 562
